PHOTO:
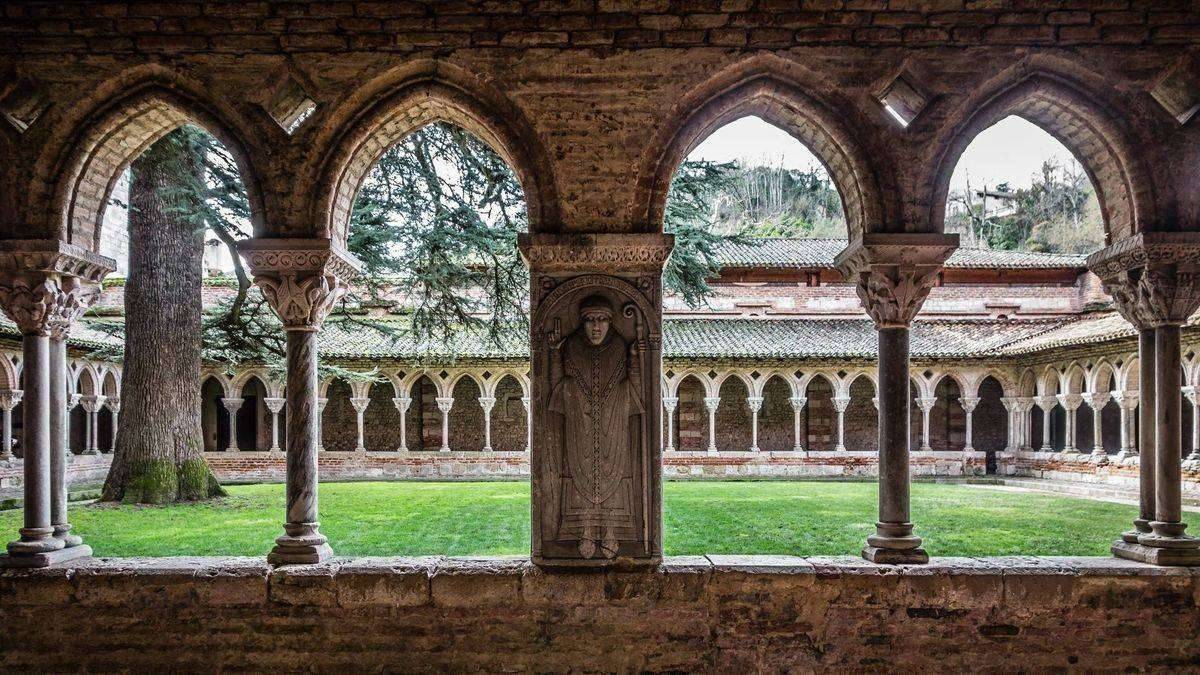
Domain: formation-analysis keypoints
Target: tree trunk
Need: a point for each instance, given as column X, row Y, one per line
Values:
column 159, row 445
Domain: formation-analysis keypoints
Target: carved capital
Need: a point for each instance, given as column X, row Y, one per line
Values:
column 893, row 273
column 1046, row 403
column 359, row 403
column 9, row 398
column 114, row 404
column 1153, row 277
column 798, row 402
column 926, row 403
column 755, row 403
column 232, row 404
column 402, row 403
column 487, row 403
column 445, row 403
column 1127, row 400
column 840, row 403
column 670, row 402
column 1097, row 400
column 92, row 404
column 302, row 279
column 968, row 403
column 275, row 405
column 712, row 403
column 1070, row 402
column 45, row 286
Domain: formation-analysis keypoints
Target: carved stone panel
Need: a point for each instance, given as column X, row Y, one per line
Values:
column 596, row 355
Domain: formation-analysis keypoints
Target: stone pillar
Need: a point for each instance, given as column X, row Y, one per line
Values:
column 525, row 401
column 402, row 403
column 487, row 403
column 90, row 405
column 1047, row 403
column 73, row 402
column 232, row 405
column 359, row 403
column 275, row 405
column 9, row 399
column 1025, row 411
column 893, row 274
column 755, row 404
column 840, row 403
column 1070, row 403
column 711, row 403
column 1096, row 400
column 596, row 304
column 302, row 280
column 45, row 286
column 321, row 403
column 669, row 405
column 968, row 404
column 798, row 403
column 444, row 404
column 1154, row 278
column 1010, row 407
column 1128, row 402
column 1194, row 455
column 925, row 403
column 114, row 406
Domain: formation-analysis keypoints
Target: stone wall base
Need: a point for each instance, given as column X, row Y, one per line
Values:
column 706, row 614
column 1083, row 468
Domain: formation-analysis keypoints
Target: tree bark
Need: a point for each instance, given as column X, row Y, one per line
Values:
column 158, row 455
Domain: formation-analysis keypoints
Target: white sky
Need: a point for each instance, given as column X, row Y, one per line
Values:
column 1012, row 151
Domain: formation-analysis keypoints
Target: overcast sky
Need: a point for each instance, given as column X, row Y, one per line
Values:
column 1010, row 151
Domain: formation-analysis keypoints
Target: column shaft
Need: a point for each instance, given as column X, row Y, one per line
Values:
column 37, row 534
column 1147, row 371
column 6, row 451
column 1168, row 440
column 58, row 442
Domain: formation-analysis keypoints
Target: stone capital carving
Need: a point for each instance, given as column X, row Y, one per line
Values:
column 275, row 405
column 1153, row 277
column 114, row 404
column 73, row 400
column 445, row 403
column 670, row 403
column 402, row 403
column 9, row 398
column 1190, row 393
column 360, row 403
column 712, row 403
column 968, row 403
column 232, row 404
column 840, row 403
column 45, row 286
column 596, row 253
column 1070, row 402
column 798, row 402
column 926, row 403
column 92, row 404
column 487, row 403
column 1098, row 399
column 1127, row 400
column 893, row 273
column 755, row 403
column 302, row 279
column 1046, row 403
column 1009, row 403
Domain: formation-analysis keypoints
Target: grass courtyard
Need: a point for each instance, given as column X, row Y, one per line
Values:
column 460, row 518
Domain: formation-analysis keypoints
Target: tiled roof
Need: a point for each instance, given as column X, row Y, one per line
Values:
column 788, row 253
column 1089, row 329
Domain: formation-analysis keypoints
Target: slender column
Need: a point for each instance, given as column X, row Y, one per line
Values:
column 1046, row 403
column 1025, row 410
column 487, row 403
column 1096, row 400
column 302, row 279
column 840, row 403
column 925, row 403
column 525, row 401
column 755, row 404
column 1147, row 368
column 798, row 403
column 232, row 405
column 37, row 536
column 402, row 403
column 968, row 404
column 74, row 401
column 893, row 274
column 712, row 403
column 360, row 408
column 1127, row 401
column 1070, row 403
column 321, row 403
column 114, row 406
column 1168, row 526
column 275, row 405
column 9, row 399
column 1010, row 406
column 669, row 405
column 1194, row 455
column 58, row 438
column 96, row 423
column 444, row 404
column 89, row 405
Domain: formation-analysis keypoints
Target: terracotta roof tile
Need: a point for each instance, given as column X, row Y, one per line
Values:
column 792, row 253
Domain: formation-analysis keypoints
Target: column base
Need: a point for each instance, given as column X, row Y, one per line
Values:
column 1182, row 557
column 892, row 556
column 712, row 451
column 755, row 449
column 63, row 534
column 360, row 449
column 487, row 448
column 45, row 558
column 301, row 545
column 90, row 452
column 894, row 544
column 840, row 448
column 1122, row 455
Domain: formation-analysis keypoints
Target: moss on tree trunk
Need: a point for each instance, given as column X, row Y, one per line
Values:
column 159, row 446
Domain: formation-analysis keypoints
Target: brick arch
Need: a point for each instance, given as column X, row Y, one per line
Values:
column 116, row 130
column 782, row 103
column 1077, row 120
column 386, row 111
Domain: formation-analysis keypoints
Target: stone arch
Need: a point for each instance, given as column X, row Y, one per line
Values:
column 820, row 417
column 776, row 419
column 784, row 376
column 88, row 380
column 707, row 385
column 395, row 104
column 127, row 116
column 466, row 416
column 253, row 419
column 1129, row 376
column 759, row 88
column 1079, row 121
column 509, row 416
column 862, row 417
column 1073, row 380
column 1102, row 378
column 990, row 419
column 733, row 414
column 521, row 379
column 852, row 378
column 691, row 417
column 424, row 428
column 8, row 375
column 110, row 385
column 214, row 423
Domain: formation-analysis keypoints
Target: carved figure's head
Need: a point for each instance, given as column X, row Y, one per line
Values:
column 595, row 314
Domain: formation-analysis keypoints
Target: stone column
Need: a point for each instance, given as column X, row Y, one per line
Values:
column 444, row 404
column 321, row 403
column 114, row 406
column 1070, row 403
column 1025, row 410
column 525, row 401
column 90, row 405
column 302, row 280
column 1194, row 455
column 669, row 405
column 73, row 402
column 402, row 403
column 893, row 274
column 1047, row 403
column 712, row 403
column 275, row 405
column 798, row 403
column 1096, row 400
column 840, row 403
column 9, row 399
column 968, row 404
column 1010, row 406
column 487, row 403
column 1128, row 402
column 596, row 305
column 755, row 404
column 45, row 286
column 359, row 403
column 232, row 405
column 1154, row 278
column 925, row 403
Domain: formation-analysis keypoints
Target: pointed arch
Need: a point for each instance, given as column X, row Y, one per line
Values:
column 397, row 103
column 1078, row 120
column 760, row 87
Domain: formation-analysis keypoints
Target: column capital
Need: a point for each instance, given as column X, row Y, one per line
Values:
column 670, row 402
column 402, row 403
column 712, row 403
column 321, row 403
column 968, row 403
column 1153, row 277
column 487, row 403
column 275, row 405
column 302, row 279
column 1096, row 400
column 46, row 285
column 232, row 404
column 9, row 398
column 893, row 273
column 113, row 403
column 1070, row 402
column 840, row 403
column 360, row 403
column 1009, row 403
column 445, row 403
column 798, row 402
column 926, row 403
column 1026, row 403
column 755, row 403
column 92, row 404
column 1046, row 403
column 1128, row 399
column 73, row 400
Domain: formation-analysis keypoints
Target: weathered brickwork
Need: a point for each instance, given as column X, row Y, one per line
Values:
column 692, row 614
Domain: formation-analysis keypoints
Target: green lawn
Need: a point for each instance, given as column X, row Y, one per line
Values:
column 803, row 518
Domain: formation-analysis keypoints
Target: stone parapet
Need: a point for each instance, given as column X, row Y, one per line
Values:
column 717, row 613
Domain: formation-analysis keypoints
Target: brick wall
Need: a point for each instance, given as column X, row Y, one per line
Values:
column 692, row 614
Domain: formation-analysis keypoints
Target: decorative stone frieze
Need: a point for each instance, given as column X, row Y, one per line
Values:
column 1153, row 277
column 47, row 285
column 893, row 273
column 595, row 370
column 302, row 279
